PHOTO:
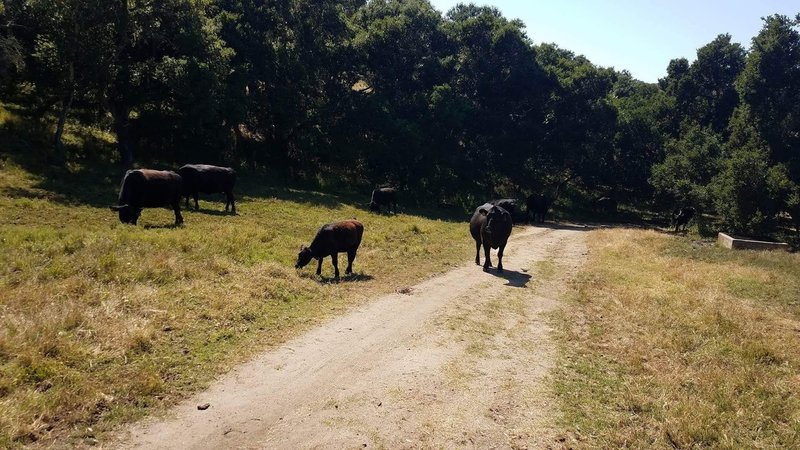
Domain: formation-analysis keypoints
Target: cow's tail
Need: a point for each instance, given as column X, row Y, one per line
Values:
column 125, row 190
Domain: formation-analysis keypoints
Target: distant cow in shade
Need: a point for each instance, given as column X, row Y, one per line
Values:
column 206, row 179
column 537, row 205
column 490, row 226
column 385, row 196
column 332, row 239
column 682, row 216
column 605, row 204
column 509, row 204
column 145, row 188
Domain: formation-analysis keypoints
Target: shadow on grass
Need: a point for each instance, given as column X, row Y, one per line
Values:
column 351, row 278
column 171, row 226
column 207, row 211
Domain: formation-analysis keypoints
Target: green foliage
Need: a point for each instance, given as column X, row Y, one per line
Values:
column 749, row 188
column 456, row 107
column 690, row 164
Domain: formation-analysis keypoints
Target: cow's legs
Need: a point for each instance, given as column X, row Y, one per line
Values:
column 196, row 205
column 351, row 256
column 187, row 202
column 177, row 208
column 477, row 252
column 335, row 261
column 500, row 258
column 232, row 201
column 488, row 262
column 319, row 266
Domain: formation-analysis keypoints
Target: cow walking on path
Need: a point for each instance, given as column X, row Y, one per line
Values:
column 490, row 226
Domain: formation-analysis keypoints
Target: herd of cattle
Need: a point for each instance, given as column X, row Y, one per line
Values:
column 490, row 225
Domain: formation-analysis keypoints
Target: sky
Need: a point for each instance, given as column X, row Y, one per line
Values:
column 640, row 36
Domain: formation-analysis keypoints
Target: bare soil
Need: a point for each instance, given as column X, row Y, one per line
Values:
column 460, row 360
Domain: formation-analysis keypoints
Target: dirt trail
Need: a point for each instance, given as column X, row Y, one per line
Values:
column 460, row 360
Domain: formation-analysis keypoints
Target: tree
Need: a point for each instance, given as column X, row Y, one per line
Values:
column 69, row 52
column 690, row 165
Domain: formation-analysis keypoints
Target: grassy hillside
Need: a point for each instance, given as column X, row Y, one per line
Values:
column 102, row 322
column 674, row 343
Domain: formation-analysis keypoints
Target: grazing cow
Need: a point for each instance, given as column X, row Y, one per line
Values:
column 682, row 216
column 330, row 240
column 537, row 205
column 491, row 226
column 605, row 204
column 202, row 178
column 146, row 188
column 385, row 196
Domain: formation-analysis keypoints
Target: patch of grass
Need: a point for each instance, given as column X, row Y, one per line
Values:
column 100, row 322
column 668, row 343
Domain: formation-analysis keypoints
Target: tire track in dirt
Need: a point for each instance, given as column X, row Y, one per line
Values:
column 461, row 360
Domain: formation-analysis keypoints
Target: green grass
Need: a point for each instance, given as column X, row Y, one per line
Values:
column 674, row 343
column 102, row 323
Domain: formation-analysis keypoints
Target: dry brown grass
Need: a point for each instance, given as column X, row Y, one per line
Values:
column 101, row 323
column 671, row 343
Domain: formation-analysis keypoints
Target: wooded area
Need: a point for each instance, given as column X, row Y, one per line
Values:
column 454, row 107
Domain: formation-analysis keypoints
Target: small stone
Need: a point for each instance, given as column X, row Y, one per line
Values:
column 204, row 406
column 91, row 441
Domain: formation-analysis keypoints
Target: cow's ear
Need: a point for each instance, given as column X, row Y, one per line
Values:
column 483, row 211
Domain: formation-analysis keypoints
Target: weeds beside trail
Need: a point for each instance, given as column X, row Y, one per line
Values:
column 670, row 343
column 101, row 322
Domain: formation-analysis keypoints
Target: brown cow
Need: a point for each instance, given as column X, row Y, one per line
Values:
column 330, row 240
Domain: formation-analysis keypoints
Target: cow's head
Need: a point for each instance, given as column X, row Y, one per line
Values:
column 494, row 215
column 127, row 213
column 374, row 206
column 303, row 257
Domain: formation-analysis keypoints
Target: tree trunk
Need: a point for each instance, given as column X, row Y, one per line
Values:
column 66, row 104
column 120, row 87
column 120, row 114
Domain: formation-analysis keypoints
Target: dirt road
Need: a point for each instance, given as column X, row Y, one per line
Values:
column 458, row 360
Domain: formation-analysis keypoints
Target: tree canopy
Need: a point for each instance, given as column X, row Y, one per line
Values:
column 456, row 106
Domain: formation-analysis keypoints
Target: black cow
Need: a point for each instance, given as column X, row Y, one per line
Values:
column 490, row 226
column 509, row 204
column 682, row 216
column 330, row 240
column 385, row 196
column 537, row 205
column 145, row 188
column 605, row 204
column 206, row 179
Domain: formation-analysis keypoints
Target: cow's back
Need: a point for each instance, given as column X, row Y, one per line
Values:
column 207, row 179
column 338, row 237
column 145, row 188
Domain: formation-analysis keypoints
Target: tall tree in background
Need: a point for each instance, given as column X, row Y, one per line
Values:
column 497, row 74
column 70, row 53
column 400, row 50
column 291, row 72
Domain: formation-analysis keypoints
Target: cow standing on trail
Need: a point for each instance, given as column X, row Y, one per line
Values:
column 490, row 226
column 537, row 205
column 145, row 188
